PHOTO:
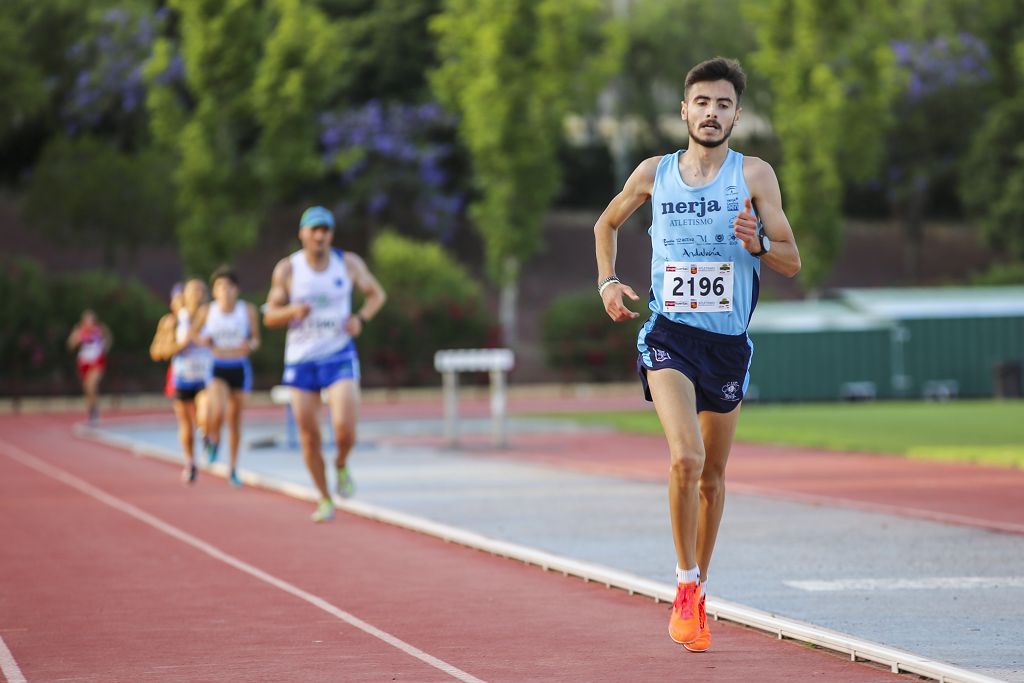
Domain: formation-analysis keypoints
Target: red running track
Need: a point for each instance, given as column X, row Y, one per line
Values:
column 90, row 592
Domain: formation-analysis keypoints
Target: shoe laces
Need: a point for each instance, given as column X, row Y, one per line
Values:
column 684, row 599
column 702, row 614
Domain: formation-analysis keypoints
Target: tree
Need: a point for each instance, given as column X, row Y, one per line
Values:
column 110, row 181
column 209, row 127
column 926, row 141
column 511, row 69
column 107, row 198
column 666, row 39
column 246, row 127
column 833, row 77
column 992, row 181
column 36, row 75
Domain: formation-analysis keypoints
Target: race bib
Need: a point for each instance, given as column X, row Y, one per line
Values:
column 90, row 351
column 191, row 367
column 697, row 287
column 323, row 323
column 228, row 338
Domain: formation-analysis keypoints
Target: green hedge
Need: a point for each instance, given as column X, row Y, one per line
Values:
column 433, row 303
column 38, row 312
column 581, row 343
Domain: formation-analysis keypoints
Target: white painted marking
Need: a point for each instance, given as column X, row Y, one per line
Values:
column 919, row 584
column 8, row 666
column 721, row 610
column 71, row 480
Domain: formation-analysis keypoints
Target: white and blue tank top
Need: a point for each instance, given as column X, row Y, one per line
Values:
column 193, row 365
column 701, row 274
column 227, row 330
column 329, row 294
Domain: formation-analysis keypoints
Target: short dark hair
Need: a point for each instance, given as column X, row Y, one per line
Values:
column 224, row 271
column 717, row 69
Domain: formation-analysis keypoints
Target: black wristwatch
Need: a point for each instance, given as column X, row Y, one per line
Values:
column 766, row 244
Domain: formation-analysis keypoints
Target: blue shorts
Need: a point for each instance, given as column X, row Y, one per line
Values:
column 315, row 375
column 717, row 364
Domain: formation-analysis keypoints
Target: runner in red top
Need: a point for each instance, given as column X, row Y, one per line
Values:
column 92, row 339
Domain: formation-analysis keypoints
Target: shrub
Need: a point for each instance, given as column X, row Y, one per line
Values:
column 39, row 312
column 1001, row 274
column 433, row 303
column 582, row 343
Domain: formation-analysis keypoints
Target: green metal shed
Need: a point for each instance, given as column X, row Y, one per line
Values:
column 822, row 350
column 953, row 338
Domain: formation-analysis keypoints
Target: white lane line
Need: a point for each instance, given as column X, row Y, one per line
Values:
column 924, row 583
column 71, row 480
column 858, row 649
column 8, row 666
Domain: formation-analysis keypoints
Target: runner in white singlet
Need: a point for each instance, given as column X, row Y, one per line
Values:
column 311, row 294
column 229, row 327
column 191, row 364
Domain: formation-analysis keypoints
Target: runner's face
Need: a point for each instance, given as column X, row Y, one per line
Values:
column 316, row 239
column 88, row 319
column 194, row 295
column 710, row 112
column 225, row 291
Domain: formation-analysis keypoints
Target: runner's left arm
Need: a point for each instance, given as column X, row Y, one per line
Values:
column 108, row 338
column 784, row 257
column 374, row 295
column 73, row 338
column 254, row 327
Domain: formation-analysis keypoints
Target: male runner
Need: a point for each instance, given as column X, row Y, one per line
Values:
column 717, row 217
column 230, row 328
column 190, row 368
column 93, row 340
column 311, row 293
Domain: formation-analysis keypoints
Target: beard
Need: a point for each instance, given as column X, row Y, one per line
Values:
column 695, row 135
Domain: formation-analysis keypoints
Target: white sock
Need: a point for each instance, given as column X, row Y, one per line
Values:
column 687, row 575
column 703, row 587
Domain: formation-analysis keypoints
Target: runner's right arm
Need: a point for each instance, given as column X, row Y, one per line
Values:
column 637, row 190
column 278, row 312
column 164, row 345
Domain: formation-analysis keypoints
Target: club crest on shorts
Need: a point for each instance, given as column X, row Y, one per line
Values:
column 731, row 391
column 660, row 356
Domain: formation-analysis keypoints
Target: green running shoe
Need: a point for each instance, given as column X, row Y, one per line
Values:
column 346, row 487
column 324, row 511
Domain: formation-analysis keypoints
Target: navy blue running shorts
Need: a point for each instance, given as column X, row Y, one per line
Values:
column 717, row 364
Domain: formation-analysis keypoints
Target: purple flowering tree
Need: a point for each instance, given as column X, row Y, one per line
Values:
column 108, row 94
column 932, row 125
column 111, row 181
column 396, row 165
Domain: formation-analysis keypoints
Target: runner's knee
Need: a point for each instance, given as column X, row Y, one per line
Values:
column 687, row 463
column 712, row 486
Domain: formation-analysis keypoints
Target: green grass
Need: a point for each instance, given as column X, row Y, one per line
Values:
column 965, row 431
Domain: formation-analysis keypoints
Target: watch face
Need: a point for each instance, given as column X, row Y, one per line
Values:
column 767, row 243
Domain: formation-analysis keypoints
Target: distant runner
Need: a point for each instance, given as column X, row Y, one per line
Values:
column 93, row 340
column 311, row 293
column 230, row 328
column 191, row 365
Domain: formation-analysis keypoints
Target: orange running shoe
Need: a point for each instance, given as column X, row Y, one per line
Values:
column 703, row 640
column 684, row 625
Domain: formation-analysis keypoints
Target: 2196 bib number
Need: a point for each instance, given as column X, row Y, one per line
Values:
column 698, row 287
